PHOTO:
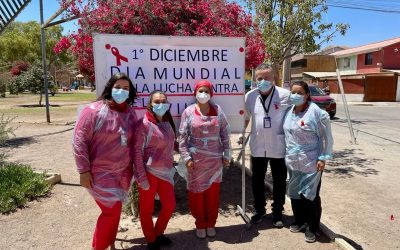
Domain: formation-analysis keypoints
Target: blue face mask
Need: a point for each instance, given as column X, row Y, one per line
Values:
column 296, row 99
column 160, row 108
column 119, row 95
column 264, row 85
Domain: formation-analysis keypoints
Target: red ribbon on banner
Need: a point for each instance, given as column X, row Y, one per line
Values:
column 117, row 55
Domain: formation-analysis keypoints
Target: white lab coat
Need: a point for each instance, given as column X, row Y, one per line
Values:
column 267, row 142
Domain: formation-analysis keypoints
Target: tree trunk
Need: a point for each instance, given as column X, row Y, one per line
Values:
column 275, row 67
column 40, row 99
column 286, row 70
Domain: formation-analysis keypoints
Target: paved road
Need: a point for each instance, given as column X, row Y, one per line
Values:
column 382, row 120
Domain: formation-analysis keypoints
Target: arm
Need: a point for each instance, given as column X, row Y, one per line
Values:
column 138, row 153
column 184, row 130
column 247, row 116
column 325, row 134
column 83, row 134
column 225, row 134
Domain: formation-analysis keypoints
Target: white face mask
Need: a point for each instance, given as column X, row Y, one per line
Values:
column 202, row 97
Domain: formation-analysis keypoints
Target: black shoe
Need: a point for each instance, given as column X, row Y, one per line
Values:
column 163, row 240
column 309, row 236
column 153, row 245
column 257, row 218
column 295, row 227
column 278, row 223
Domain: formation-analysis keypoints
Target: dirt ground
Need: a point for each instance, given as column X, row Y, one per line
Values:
column 66, row 218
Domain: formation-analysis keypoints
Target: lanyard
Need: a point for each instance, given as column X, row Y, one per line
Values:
column 270, row 100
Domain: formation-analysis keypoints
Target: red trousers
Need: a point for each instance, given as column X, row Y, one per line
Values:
column 107, row 226
column 165, row 191
column 204, row 206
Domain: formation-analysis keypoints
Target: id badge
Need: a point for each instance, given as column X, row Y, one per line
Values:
column 124, row 140
column 267, row 122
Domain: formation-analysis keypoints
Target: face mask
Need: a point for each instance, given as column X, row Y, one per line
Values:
column 119, row 95
column 296, row 99
column 264, row 85
column 203, row 97
column 160, row 108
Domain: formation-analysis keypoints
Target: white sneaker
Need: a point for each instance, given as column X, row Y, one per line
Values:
column 201, row 233
column 211, row 232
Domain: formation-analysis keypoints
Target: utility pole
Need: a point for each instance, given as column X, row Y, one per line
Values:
column 43, row 43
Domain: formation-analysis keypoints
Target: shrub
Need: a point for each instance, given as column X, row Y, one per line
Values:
column 5, row 131
column 18, row 185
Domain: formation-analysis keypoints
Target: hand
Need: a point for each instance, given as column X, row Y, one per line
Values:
column 144, row 184
column 189, row 164
column 86, row 179
column 240, row 140
column 320, row 165
column 226, row 162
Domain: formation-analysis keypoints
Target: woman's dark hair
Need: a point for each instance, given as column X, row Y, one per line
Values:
column 304, row 85
column 167, row 114
column 106, row 95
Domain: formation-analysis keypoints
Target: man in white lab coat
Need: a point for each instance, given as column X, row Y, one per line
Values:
column 266, row 105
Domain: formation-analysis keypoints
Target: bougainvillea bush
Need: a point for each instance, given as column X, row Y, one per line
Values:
column 154, row 17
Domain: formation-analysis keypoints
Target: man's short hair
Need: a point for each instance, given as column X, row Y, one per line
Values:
column 264, row 66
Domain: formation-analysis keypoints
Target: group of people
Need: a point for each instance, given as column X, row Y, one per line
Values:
column 112, row 148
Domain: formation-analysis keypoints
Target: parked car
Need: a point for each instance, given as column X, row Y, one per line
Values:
column 324, row 101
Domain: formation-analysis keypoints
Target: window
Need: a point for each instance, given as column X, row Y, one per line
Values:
column 302, row 63
column 368, row 59
column 346, row 62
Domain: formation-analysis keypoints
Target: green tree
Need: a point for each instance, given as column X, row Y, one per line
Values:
column 291, row 27
column 31, row 80
column 21, row 42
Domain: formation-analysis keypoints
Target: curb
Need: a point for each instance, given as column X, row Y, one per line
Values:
column 340, row 242
column 51, row 178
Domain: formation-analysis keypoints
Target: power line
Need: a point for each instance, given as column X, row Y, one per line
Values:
column 388, row 6
column 364, row 8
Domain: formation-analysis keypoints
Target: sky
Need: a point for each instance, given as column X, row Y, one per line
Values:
column 365, row 26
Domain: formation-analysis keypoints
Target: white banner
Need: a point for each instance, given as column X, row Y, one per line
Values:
column 174, row 64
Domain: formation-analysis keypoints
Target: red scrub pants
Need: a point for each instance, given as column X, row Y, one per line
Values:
column 204, row 206
column 166, row 193
column 107, row 226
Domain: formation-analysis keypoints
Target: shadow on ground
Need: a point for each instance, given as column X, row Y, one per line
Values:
column 350, row 163
column 37, row 105
column 232, row 235
column 230, row 195
column 21, row 141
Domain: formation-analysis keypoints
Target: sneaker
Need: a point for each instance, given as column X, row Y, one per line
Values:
column 211, row 232
column 257, row 218
column 163, row 240
column 309, row 236
column 295, row 228
column 153, row 246
column 278, row 223
column 201, row 233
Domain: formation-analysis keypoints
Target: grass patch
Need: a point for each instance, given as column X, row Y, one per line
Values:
column 18, row 185
column 73, row 97
column 36, row 110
